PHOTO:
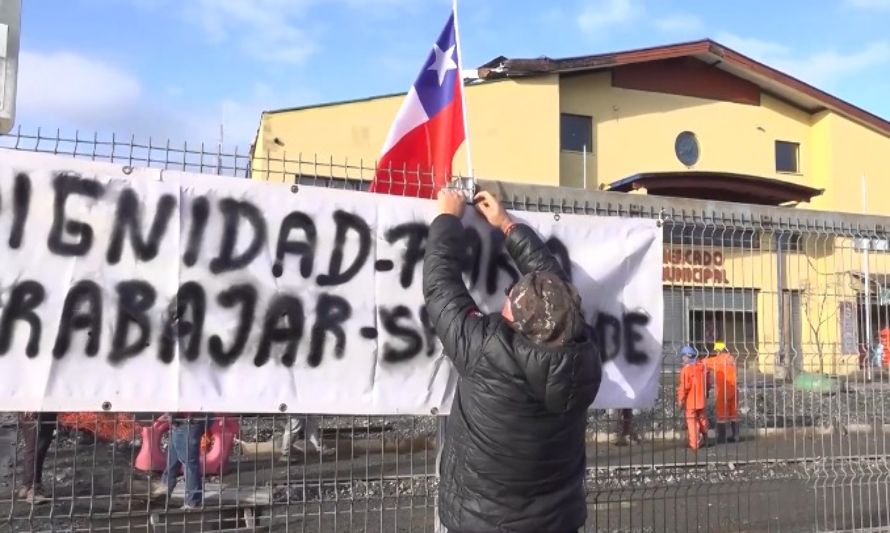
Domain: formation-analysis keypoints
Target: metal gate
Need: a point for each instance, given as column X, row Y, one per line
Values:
column 812, row 453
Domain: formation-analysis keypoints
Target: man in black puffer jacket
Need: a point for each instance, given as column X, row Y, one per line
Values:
column 514, row 454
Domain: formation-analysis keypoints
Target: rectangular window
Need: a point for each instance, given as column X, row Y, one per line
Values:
column 575, row 133
column 787, row 157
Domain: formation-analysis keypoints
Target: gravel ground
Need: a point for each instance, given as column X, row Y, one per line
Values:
column 597, row 480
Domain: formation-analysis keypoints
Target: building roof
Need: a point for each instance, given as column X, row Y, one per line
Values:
column 333, row 103
column 726, row 186
column 713, row 53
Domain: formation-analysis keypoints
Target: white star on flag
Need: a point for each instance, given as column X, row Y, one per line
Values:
column 443, row 62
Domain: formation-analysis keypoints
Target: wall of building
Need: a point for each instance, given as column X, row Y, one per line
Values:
column 514, row 130
column 845, row 152
column 822, row 272
column 634, row 131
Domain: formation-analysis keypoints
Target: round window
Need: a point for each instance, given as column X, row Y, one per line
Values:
column 686, row 148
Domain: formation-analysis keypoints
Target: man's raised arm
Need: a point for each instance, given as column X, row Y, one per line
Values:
column 453, row 312
column 523, row 244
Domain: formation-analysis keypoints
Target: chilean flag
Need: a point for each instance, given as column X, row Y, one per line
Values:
column 429, row 127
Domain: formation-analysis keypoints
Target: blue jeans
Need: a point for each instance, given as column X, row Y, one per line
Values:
column 184, row 449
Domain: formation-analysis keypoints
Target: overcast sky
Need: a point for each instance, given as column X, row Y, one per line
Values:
column 178, row 68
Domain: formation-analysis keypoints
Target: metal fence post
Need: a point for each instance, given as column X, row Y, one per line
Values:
column 441, row 429
column 783, row 356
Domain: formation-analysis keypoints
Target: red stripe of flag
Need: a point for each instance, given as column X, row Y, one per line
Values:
column 420, row 163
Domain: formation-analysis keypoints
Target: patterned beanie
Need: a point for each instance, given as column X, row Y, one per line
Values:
column 546, row 309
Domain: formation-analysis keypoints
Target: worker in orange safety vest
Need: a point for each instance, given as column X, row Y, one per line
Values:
column 692, row 394
column 722, row 366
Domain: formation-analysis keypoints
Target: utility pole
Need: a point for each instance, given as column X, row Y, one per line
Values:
column 10, row 29
column 219, row 151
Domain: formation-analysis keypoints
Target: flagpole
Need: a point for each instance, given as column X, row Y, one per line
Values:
column 442, row 421
column 865, row 272
column 463, row 94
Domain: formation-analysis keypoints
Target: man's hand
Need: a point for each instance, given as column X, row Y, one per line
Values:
column 452, row 202
column 490, row 208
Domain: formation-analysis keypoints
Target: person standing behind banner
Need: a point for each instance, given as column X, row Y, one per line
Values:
column 876, row 358
column 884, row 337
column 723, row 367
column 624, row 431
column 309, row 425
column 183, row 449
column 514, row 454
column 692, row 395
column 38, row 432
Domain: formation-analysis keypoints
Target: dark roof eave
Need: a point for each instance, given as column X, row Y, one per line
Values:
column 776, row 191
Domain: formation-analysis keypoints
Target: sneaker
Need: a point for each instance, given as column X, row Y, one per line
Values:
column 620, row 440
column 22, row 493
column 35, row 496
column 191, row 506
column 159, row 489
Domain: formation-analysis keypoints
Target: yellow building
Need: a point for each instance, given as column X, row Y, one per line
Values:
column 693, row 120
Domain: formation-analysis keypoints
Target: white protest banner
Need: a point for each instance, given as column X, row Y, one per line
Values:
column 147, row 290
